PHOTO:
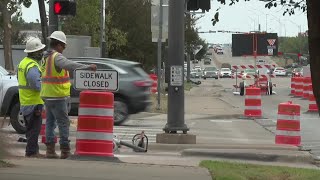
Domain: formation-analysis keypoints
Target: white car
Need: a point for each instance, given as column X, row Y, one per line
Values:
column 261, row 62
column 279, row 71
column 225, row 72
column 197, row 67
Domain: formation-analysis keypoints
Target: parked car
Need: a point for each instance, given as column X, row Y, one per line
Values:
column 279, row 71
column 210, row 72
column 206, row 61
column 225, row 72
column 219, row 51
column 297, row 72
column 195, row 73
column 133, row 95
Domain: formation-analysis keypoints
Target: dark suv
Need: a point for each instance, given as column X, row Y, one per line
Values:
column 133, row 95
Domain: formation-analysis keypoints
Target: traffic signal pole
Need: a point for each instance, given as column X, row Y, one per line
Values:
column 176, row 38
column 53, row 19
column 175, row 117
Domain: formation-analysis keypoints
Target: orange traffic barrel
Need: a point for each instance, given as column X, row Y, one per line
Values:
column 299, row 87
column 288, row 124
column 306, row 83
column 293, row 85
column 253, row 102
column 312, row 101
column 95, row 124
column 43, row 127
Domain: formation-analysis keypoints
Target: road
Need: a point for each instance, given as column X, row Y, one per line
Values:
column 310, row 123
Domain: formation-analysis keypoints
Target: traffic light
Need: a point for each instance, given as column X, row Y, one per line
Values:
column 64, row 8
column 194, row 5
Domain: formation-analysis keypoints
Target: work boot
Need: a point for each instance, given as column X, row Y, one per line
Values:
column 51, row 151
column 65, row 151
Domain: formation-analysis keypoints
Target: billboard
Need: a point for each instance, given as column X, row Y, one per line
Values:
column 266, row 44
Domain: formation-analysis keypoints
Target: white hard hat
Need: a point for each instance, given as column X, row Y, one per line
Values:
column 33, row 45
column 59, row 35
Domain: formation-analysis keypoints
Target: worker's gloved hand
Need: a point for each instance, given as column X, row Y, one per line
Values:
column 93, row 67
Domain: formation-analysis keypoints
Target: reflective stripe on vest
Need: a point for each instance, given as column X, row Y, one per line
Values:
column 27, row 94
column 54, row 84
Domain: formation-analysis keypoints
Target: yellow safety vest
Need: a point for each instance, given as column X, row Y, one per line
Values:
column 27, row 95
column 54, row 84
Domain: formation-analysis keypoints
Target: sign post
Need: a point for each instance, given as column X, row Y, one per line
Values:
column 100, row 80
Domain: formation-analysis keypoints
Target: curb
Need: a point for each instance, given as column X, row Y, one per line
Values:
column 250, row 154
column 181, row 147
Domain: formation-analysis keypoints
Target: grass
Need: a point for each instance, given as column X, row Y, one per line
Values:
column 188, row 86
column 221, row 170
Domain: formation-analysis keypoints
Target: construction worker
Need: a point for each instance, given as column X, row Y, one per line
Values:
column 29, row 79
column 55, row 92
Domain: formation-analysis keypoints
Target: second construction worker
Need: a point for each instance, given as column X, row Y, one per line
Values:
column 55, row 92
column 29, row 79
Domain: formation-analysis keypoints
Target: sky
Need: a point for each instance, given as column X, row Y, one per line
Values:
column 243, row 17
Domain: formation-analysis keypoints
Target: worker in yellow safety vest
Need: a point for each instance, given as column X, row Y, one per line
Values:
column 55, row 92
column 29, row 79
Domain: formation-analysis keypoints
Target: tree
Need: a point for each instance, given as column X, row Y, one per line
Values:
column 7, row 9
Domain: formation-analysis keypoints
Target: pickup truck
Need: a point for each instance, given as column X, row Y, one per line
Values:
column 9, row 100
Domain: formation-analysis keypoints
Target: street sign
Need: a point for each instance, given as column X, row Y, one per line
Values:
column 176, row 78
column 270, row 52
column 103, row 80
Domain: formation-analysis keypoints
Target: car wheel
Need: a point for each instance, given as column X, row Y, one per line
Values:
column 241, row 88
column 16, row 119
column 121, row 111
column 216, row 78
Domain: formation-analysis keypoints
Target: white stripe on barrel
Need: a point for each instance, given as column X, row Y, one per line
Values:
column 253, row 107
column 104, row 136
column 95, row 111
column 287, row 133
column 289, row 117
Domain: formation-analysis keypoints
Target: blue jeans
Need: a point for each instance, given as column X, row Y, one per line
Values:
column 57, row 113
column 33, row 124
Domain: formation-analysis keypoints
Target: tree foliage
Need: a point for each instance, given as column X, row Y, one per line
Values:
column 128, row 34
column 296, row 45
column 7, row 9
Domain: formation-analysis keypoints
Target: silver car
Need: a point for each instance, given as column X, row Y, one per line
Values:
column 210, row 72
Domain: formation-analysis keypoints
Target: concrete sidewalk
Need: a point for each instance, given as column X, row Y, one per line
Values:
column 39, row 169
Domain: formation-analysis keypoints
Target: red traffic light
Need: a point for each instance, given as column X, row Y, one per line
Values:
column 64, row 7
column 57, row 7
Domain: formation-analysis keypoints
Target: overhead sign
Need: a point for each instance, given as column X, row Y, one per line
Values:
column 103, row 80
column 176, row 78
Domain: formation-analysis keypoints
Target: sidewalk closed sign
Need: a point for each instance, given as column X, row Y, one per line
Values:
column 107, row 80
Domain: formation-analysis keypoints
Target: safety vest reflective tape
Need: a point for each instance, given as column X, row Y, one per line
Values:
column 253, row 97
column 252, row 107
column 95, row 112
column 27, row 94
column 289, row 117
column 54, row 83
column 287, row 133
column 104, row 136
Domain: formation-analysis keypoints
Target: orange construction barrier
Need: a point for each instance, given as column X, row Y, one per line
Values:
column 288, row 124
column 154, row 87
column 293, row 85
column 299, row 87
column 43, row 127
column 306, row 83
column 253, row 102
column 95, row 124
column 312, row 101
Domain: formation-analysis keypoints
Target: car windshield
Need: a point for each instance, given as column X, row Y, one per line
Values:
column 280, row 69
column 3, row 71
column 210, row 69
column 225, row 69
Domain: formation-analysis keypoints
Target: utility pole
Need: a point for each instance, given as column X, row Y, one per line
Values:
column 103, row 46
column 53, row 19
column 159, row 52
column 189, row 50
column 176, row 120
column 44, row 21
